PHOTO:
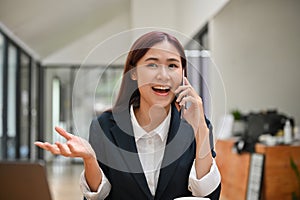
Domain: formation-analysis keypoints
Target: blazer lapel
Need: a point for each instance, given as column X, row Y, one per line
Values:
column 180, row 136
column 123, row 134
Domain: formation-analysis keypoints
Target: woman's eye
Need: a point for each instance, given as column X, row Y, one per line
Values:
column 152, row 65
column 173, row 66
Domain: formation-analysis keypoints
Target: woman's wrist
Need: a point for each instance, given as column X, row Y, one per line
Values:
column 92, row 173
column 202, row 143
column 203, row 158
column 89, row 159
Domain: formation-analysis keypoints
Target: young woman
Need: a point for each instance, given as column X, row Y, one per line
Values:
column 149, row 145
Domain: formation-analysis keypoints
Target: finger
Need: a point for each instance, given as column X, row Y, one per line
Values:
column 181, row 88
column 186, row 81
column 72, row 148
column 64, row 149
column 48, row 147
column 41, row 145
column 75, row 152
column 183, row 101
column 63, row 133
column 183, row 94
column 191, row 88
column 185, row 86
column 187, row 99
column 52, row 148
column 188, row 91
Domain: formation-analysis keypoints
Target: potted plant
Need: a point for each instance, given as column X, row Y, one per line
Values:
column 296, row 171
column 238, row 127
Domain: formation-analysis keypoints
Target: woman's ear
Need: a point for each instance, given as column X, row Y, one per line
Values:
column 133, row 75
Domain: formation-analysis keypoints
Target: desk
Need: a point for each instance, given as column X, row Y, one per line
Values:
column 279, row 180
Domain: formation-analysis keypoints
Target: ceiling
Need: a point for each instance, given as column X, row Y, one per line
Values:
column 66, row 31
column 46, row 26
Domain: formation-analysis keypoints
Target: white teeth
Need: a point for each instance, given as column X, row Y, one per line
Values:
column 161, row 87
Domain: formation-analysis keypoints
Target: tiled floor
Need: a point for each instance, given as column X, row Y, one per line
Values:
column 63, row 178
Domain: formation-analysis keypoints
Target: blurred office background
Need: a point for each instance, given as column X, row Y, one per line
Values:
column 248, row 59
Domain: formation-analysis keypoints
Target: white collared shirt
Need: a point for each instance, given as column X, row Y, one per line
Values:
column 150, row 147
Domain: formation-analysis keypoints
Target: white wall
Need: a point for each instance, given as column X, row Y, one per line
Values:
column 184, row 16
column 256, row 46
column 192, row 15
column 153, row 13
column 78, row 51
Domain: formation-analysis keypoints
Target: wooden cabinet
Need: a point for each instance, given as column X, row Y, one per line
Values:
column 279, row 180
column 234, row 170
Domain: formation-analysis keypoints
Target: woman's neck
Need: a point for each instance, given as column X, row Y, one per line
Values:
column 151, row 117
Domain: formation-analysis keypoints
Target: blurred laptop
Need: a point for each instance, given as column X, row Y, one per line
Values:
column 23, row 180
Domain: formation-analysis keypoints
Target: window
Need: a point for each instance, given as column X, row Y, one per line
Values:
column 17, row 81
column 24, row 102
column 198, row 57
column 11, row 99
column 56, row 95
column 1, row 90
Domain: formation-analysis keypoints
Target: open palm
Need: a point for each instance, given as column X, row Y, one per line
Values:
column 74, row 146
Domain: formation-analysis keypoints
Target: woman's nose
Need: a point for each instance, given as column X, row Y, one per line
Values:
column 163, row 73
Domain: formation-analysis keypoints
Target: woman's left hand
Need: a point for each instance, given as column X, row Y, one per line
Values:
column 194, row 114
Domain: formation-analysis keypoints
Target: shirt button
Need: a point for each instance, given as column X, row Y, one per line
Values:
column 149, row 141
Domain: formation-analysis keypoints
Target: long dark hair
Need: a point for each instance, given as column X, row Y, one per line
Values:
column 129, row 93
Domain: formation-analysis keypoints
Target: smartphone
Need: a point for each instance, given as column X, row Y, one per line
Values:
column 182, row 83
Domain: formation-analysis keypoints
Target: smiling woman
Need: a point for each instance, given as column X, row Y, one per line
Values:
column 158, row 74
column 148, row 146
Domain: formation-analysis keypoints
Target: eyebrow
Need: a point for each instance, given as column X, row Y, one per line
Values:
column 156, row 59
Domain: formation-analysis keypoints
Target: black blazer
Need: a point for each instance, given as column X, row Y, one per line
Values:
column 111, row 136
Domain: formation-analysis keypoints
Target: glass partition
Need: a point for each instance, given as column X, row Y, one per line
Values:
column 11, row 99
column 33, row 123
column 19, row 98
column 1, row 91
column 24, row 106
column 56, row 102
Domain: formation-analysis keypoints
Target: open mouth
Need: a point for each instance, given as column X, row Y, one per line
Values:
column 161, row 89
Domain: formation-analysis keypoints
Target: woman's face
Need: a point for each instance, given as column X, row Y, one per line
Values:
column 158, row 74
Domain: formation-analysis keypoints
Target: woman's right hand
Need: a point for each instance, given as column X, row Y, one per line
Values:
column 74, row 147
